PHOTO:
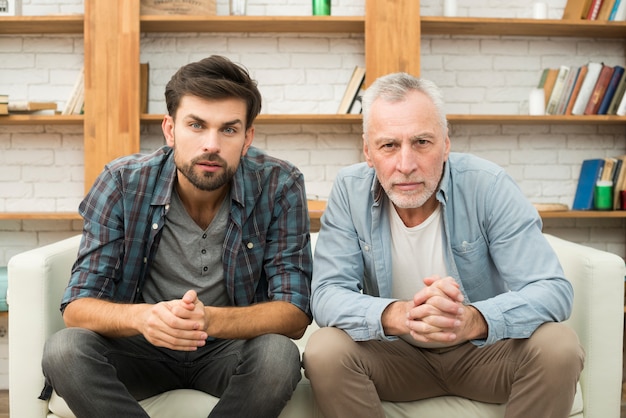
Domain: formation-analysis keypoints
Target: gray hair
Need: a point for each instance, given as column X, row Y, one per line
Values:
column 394, row 88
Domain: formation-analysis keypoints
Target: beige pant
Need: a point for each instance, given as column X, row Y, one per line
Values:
column 536, row 377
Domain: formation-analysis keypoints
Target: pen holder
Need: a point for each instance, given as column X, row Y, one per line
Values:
column 603, row 195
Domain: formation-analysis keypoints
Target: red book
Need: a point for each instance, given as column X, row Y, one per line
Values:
column 594, row 9
column 598, row 91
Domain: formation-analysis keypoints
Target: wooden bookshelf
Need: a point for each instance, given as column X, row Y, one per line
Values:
column 329, row 119
column 40, row 216
column 295, row 24
column 42, row 119
column 437, row 25
column 37, row 25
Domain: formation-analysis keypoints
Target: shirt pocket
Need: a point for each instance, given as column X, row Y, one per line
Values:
column 472, row 262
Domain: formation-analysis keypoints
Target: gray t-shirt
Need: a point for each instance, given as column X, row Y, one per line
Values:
column 189, row 258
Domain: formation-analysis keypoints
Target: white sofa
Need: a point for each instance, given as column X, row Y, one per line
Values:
column 37, row 279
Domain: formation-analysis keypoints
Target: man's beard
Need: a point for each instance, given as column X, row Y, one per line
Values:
column 206, row 181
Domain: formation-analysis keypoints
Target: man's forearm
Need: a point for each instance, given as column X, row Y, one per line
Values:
column 277, row 317
column 104, row 317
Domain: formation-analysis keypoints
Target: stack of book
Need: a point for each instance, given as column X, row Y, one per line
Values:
column 4, row 104
column 611, row 169
column 595, row 10
column 592, row 89
column 28, row 106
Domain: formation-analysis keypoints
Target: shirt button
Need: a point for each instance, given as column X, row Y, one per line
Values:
column 155, row 226
column 366, row 248
column 205, row 268
column 203, row 251
column 250, row 245
column 203, row 236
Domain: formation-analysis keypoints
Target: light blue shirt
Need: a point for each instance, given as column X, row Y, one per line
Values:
column 493, row 246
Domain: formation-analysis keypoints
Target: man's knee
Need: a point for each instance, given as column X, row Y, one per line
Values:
column 326, row 349
column 557, row 348
column 278, row 357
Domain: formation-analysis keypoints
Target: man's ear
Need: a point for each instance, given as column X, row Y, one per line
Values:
column 248, row 140
column 366, row 151
column 168, row 130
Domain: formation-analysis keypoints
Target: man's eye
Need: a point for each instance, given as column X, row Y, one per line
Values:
column 196, row 125
column 230, row 130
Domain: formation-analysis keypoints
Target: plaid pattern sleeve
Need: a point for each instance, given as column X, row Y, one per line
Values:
column 267, row 248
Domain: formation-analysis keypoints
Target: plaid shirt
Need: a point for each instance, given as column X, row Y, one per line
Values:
column 266, row 253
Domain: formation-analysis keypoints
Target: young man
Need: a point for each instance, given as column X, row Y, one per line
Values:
column 194, row 268
column 432, row 276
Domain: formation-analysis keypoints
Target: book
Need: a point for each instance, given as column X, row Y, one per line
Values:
column 4, row 109
column 75, row 101
column 30, row 106
column 557, row 90
column 582, row 73
column 609, row 169
column 590, row 172
column 621, row 109
column 617, row 97
column 542, row 79
column 619, row 180
column 593, row 72
column 4, row 98
column 178, row 7
column 620, row 12
column 615, row 8
column 144, row 83
column 548, row 85
column 567, row 91
column 618, row 74
column 605, row 9
column 576, row 9
column 352, row 90
column 594, row 9
column 595, row 100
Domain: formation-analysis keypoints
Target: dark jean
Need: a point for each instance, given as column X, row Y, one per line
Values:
column 105, row 377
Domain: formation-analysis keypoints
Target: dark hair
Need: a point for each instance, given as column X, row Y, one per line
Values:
column 211, row 78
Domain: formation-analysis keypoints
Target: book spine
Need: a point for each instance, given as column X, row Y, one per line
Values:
column 618, row 73
column 598, row 91
column 557, row 90
column 594, row 9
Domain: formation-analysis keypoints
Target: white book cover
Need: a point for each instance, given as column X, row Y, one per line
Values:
column 593, row 72
column 621, row 109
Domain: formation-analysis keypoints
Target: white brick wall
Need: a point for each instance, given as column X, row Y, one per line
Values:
column 41, row 167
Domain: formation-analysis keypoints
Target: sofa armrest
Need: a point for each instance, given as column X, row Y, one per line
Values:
column 598, row 318
column 37, row 279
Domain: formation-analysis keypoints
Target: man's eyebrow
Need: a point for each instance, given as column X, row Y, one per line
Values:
column 233, row 122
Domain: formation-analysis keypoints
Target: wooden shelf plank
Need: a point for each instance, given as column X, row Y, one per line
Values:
column 437, row 25
column 538, row 120
column 282, row 119
column 287, row 119
column 316, row 209
column 42, row 120
column 580, row 214
column 298, row 24
column 40, row 216
column 38, row 25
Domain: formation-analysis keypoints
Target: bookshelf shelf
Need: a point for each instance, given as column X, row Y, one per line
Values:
column 298, row 24
column 37, row 25
column 40, row 216
column 464, row 119
column 538, row 120
column 436, row 25
column 41, row 120
column 582, row 214
column 290, row 119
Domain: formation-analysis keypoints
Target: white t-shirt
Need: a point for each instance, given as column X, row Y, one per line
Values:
column 416, row 252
